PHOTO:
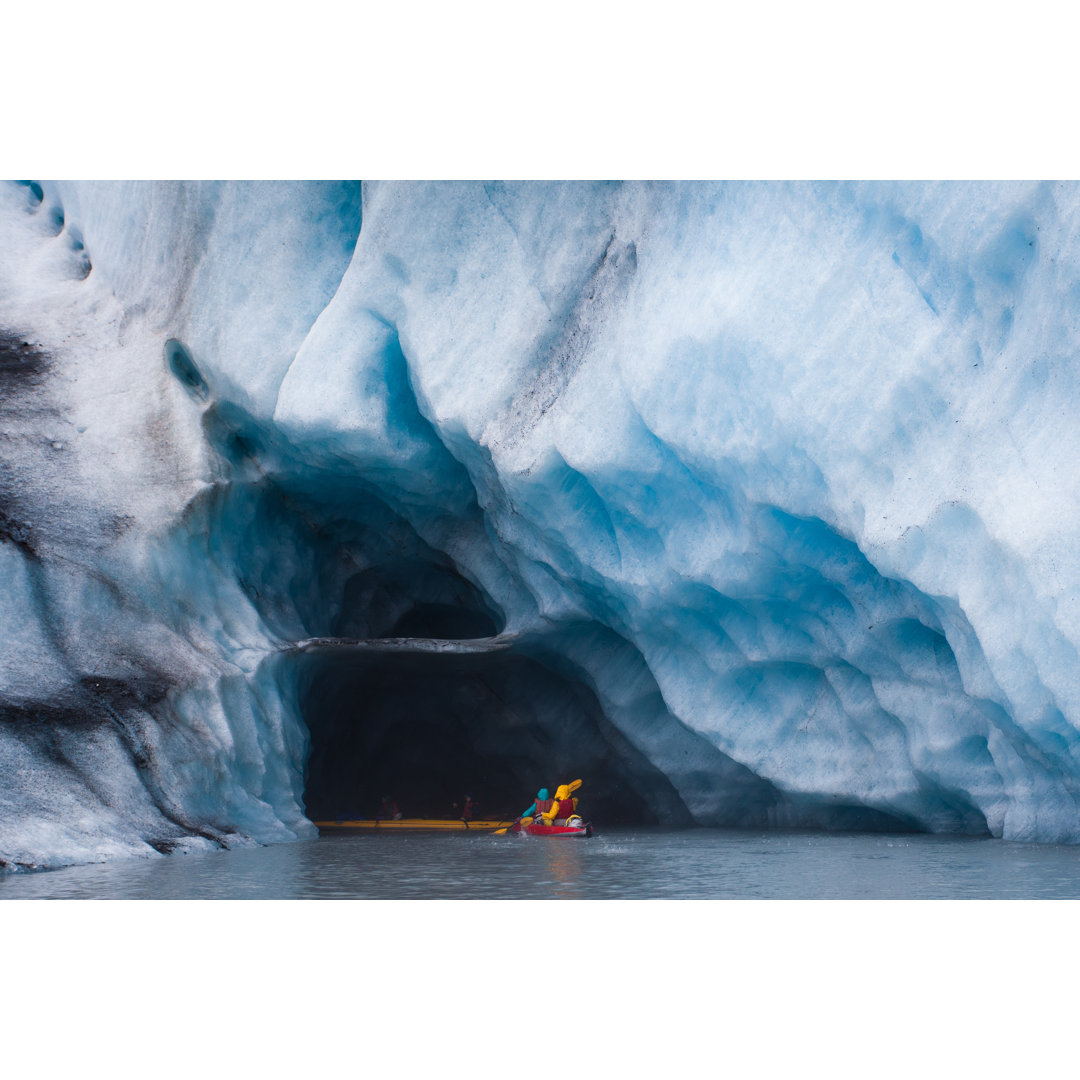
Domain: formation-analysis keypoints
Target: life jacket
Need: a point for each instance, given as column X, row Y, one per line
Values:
column 543, row 806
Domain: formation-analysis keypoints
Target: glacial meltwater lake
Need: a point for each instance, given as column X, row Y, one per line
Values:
column 616, row 864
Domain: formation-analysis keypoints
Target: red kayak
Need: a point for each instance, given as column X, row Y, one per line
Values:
column 584, row 829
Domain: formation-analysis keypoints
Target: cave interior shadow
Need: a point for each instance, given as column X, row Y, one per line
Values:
column 429, row 728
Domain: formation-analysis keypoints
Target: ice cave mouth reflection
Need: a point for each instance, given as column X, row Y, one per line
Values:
column 429, row 722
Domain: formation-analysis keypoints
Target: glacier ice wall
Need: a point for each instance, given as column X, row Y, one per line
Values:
column 755, row 501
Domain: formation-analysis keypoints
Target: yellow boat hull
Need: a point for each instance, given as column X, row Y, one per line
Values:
column 437, row 824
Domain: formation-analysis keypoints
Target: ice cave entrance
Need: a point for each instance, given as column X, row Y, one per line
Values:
column 400, row 669
column 429, row 722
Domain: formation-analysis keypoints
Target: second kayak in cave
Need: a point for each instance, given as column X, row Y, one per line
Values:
column 419, row 824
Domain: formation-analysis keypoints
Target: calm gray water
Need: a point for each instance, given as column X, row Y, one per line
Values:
column 616, row 864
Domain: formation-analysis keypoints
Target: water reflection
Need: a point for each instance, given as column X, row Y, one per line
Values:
column 564, row 858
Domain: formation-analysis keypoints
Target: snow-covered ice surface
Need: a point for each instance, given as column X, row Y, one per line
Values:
column 785, row 476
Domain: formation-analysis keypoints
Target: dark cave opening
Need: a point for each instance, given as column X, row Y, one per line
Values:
column 428, row 727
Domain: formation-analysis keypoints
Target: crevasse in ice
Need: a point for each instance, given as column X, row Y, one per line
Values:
column 754, row 504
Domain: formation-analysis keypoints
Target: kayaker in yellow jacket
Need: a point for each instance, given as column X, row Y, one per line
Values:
column 562, row 806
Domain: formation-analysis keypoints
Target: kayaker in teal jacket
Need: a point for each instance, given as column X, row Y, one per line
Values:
column 537, row 807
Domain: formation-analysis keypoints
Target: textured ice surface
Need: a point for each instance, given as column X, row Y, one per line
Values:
column 782, row 477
